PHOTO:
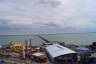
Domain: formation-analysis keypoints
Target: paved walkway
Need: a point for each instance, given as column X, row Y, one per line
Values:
column 19, row 61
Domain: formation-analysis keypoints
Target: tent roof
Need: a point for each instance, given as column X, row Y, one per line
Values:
column 56, row 50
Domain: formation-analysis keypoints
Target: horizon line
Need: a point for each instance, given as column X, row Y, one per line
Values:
column 45, row 34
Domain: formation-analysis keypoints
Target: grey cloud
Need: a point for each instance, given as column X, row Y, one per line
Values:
column 50, row 24
column 43, row 15
column 4, row 21
column 52, row 3
column 53, row 24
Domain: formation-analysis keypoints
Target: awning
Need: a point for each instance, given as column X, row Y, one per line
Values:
column 83, row 49
column 38, row 54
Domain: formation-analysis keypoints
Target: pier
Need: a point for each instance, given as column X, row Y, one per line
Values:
column 48, row 42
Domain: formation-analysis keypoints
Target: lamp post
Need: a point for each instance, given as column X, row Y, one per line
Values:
column 23, row 51
column 30, row 42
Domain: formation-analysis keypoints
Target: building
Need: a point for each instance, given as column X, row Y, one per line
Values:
column 60, row 54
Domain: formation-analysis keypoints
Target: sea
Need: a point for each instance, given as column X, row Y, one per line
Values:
column 67, row 38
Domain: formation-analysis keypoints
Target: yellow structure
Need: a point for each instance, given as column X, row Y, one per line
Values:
column 15, row 46
column 18, row 47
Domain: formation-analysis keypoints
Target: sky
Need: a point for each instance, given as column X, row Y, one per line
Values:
column 18, row 17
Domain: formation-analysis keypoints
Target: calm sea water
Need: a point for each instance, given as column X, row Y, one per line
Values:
column 79, row 39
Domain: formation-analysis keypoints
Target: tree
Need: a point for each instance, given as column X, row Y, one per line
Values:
column 94, row 44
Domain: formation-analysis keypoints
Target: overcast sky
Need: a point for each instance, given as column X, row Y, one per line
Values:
column 47, row 16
